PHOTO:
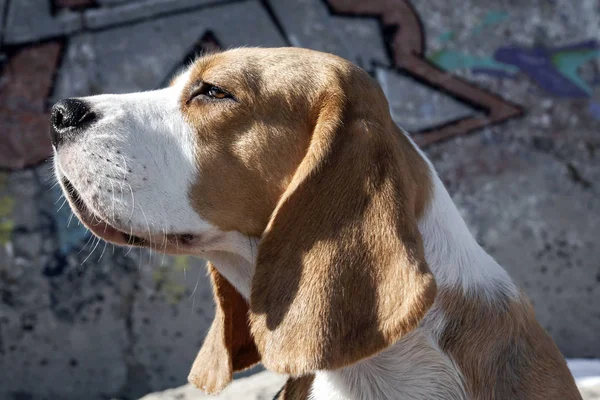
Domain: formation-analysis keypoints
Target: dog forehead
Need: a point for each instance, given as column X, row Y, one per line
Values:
column 263, row 67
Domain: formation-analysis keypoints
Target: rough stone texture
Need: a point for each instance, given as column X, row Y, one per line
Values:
column 262, row 386
column 427, row 107
column 143, row 64
column 309, row 24
column 510, row 197
column 78, row 319
column 83, row 321
column 30, row 20
column 138, row 10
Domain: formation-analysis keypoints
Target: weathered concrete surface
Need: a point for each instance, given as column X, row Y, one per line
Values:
column 134, row 11
column 265, row 385
column 427, row 106
column 510, row 195
column 29, row 20
column 122, row 59
column 309, row 24
column 73, row 319
column 119, row 325
column 261, row 386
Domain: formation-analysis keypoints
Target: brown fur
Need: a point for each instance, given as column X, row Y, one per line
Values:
column 296, row 388
column 315, row 143
column 346, row 226
column 248, row 150
column 228, row 346
column 309, row 159
column 502, row 351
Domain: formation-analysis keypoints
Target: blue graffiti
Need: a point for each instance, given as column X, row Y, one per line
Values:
column 70, row 232
column 553, row 69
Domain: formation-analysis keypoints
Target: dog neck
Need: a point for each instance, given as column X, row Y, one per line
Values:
column 454, row 256
column 235, row 259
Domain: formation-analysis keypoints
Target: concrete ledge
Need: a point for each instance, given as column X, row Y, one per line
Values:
column 261, row 386
column 264, row 385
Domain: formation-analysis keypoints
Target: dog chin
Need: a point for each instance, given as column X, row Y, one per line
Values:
column 95, row 223
column 175, row 244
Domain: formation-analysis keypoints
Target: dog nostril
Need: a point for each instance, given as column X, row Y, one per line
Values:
column 66, row 115
column 58, row 119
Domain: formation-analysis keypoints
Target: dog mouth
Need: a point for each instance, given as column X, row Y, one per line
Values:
column 98, row 225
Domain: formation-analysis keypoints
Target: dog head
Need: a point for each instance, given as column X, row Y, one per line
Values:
column 291, row 146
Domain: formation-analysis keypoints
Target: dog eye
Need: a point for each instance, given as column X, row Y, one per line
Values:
column 217, row 93
column 211, row 91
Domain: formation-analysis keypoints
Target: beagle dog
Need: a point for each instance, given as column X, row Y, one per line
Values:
column 337, row 256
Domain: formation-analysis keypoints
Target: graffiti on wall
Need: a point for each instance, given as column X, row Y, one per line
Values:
column 30, row 61
column 555, row 69
column 408, row 53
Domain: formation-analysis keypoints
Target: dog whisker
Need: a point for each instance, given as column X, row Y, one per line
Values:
column 124, row 173
column 86, row 243
column 103, row 250
column 192, row 296
column 91, row 252
column 112, row 186
column 132, row 203
column 149, row 233
column 53, row 186
column 162, row 261
column 70, row 219
column 129, row 240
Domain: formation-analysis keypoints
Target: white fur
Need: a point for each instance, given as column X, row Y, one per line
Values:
column 134, row 166
column 235, row 257
column 453, row 254
column 414, row 368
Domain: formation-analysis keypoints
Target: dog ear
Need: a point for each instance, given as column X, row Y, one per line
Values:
column 296, row 388
column 228, row 346
column 340, row 272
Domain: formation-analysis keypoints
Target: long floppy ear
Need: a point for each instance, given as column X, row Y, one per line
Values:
column 228, row 346
column 340, row 272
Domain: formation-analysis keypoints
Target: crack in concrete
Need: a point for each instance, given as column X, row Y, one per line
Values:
column 576, row 176
column 546, row 146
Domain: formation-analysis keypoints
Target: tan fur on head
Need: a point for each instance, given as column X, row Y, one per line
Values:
column 311, row 160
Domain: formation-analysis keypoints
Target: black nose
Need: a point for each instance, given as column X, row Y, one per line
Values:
column 65, row 116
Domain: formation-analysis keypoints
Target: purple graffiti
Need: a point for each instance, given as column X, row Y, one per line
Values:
column 594, row 110
column 497, row 73
column 539, row 65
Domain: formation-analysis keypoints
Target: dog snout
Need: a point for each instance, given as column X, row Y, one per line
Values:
column 67, row 117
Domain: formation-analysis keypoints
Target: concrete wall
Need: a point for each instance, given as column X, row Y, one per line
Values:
column 78, row 318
